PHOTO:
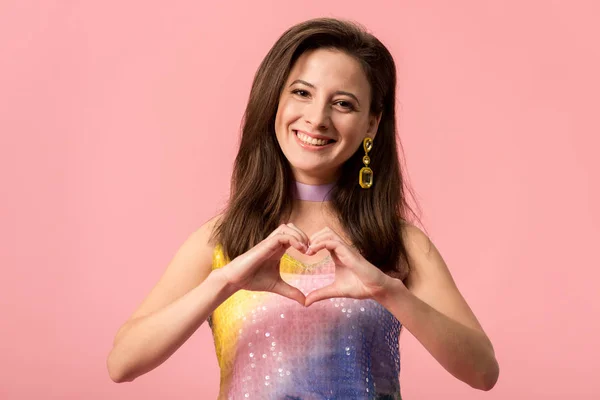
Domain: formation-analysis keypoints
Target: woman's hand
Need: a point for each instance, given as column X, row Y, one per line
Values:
column 258, row 268
column 355, row 277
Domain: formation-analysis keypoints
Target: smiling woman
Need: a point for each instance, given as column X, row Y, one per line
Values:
column 312, row 271
column 320, row 122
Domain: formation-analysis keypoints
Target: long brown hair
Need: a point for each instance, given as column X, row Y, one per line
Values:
column 262, row 182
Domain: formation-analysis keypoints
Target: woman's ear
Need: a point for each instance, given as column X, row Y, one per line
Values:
column 374, row 120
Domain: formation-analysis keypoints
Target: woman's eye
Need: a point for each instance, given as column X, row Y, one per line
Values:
column 300, row 92
column 346, row 104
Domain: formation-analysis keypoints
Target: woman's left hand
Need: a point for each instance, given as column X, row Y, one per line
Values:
column 355, row 277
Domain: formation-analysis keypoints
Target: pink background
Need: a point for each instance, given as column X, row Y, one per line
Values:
column 119, row 126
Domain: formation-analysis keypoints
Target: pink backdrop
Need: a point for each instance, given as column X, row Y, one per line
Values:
column 119, row 126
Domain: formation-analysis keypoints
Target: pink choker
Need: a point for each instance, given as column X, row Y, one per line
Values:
column 313, row 192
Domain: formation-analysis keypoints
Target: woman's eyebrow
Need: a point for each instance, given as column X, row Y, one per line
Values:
column 336, row 92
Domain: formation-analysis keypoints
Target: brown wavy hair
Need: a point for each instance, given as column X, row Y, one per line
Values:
column 262, row 182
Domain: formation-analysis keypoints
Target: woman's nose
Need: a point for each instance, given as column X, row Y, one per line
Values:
column 317, row 115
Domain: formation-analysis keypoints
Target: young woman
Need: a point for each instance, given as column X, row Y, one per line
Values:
column 312, row 270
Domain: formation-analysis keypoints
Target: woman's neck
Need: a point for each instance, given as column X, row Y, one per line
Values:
column 307, row 192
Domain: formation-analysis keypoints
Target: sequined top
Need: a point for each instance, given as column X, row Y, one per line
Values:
column 271, row 347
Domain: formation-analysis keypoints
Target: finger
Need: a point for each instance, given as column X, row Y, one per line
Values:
column 284, row 229
column 279, row 230
column 277, row 244
column 323, row 234
column 326, row 292
column 335, row 247
column 321, row 243
column 318, row 233
column 284, row 289
column 288, row 240
column 326, row 234
column 327, row 229
column 302, row 234
column 316, row 237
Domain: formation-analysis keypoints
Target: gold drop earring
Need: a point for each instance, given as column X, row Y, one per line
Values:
column 365, row 177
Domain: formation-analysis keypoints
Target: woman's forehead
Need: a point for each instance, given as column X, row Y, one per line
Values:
column 329, row 70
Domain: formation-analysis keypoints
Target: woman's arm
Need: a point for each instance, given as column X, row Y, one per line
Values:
column 431, row 307
column 147, row 342
column 187, row 293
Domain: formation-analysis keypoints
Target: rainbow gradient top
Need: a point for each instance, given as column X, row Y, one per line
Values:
column 271, row 347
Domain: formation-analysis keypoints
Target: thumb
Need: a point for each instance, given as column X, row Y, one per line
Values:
column 284, row 289
column 326, row 292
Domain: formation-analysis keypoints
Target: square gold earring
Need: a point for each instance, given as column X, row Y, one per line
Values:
column 365, row 177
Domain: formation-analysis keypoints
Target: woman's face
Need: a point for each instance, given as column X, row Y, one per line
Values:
column 323, row 114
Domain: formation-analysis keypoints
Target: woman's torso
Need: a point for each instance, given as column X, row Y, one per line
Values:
column 270, row 347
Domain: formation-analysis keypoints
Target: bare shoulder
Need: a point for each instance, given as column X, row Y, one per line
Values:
column 417, row 243
column 197, row 250
column 424, row 258
column 188, row 268
column 202, row 239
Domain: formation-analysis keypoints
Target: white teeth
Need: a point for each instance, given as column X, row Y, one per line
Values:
column 308, row 140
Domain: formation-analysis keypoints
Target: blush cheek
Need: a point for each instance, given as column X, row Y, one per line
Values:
column 283, row 120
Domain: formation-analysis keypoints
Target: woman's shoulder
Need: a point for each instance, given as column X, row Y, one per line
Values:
column 202, row 241
column 415, row 242
column 413, row 236
column 206, row 232
column 209, row 242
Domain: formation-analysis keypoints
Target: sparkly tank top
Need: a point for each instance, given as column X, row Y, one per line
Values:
column 271, row 347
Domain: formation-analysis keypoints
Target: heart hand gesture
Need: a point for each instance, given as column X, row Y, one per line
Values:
column 258, row 268
column 355, row 277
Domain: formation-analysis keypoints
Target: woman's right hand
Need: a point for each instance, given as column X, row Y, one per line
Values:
column 258, row 268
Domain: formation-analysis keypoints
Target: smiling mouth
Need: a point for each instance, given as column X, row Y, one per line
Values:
column 305, row 139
